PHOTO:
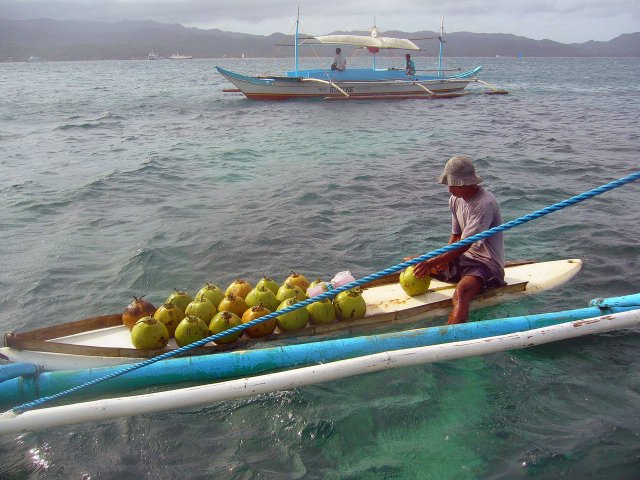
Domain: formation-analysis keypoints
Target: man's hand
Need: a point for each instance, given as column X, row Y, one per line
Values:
column 422, row 269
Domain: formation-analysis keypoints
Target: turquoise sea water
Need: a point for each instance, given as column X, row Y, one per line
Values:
column 131, row 178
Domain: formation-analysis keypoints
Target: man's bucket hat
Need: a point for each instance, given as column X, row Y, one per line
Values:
column 459, row 172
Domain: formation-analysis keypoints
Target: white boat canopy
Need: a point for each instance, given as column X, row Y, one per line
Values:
column 363, row 41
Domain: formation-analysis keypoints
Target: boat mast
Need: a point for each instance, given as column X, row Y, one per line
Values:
column 441, row 39
column 295, row 46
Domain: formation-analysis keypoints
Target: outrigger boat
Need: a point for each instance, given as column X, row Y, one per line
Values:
column 446, row 344
column 386, row 302
column 356, row 83
column 103, row 340
column 26, row 384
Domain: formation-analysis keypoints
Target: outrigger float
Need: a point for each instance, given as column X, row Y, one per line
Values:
column 206, row 368
column 394, row 351
column 357, row 83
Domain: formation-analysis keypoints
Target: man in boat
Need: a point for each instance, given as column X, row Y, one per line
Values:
column 410, row 66
column 476, row 267
column 339, row 62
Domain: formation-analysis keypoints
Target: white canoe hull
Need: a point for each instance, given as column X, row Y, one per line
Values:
column 386, row 304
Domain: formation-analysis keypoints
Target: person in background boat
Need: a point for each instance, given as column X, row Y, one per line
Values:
column 476, row 267
column 339, row 62
column 410, row 66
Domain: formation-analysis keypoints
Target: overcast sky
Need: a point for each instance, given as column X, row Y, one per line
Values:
column 566, row 21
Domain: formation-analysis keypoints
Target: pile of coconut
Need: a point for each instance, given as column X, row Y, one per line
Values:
column 211, row 311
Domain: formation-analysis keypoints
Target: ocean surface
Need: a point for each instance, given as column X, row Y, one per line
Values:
column 136, row 177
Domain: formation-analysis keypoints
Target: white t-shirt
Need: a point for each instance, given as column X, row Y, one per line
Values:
column 481, row 212
column 340, row 62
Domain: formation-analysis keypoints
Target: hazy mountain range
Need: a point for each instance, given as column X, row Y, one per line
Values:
column 66, row 40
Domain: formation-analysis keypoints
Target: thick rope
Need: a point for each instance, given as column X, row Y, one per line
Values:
column 332, row 293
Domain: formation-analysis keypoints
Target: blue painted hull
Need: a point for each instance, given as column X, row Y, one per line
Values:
column 348, row 85
column 237, row 364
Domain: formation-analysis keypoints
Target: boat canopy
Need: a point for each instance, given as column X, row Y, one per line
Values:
column 363, row 41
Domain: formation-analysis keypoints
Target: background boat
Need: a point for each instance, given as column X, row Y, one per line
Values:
column 179, row 56
column 351, row 84
column 355, row 83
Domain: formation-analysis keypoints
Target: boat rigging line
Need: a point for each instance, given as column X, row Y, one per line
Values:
column 332, row 293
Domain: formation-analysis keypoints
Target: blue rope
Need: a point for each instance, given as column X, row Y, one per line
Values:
column 332, row 293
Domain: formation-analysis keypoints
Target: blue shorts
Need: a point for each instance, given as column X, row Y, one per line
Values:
column 462, row 267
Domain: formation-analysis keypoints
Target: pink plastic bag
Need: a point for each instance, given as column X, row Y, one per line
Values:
column 318, row 289
column 342, row 278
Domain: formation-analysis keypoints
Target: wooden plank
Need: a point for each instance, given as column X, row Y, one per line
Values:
column 72, row 328
column 386, row 280
column 59, row 347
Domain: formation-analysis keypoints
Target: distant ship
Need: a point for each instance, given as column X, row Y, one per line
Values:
column 179, row 56
column 155, row 56
column 33, row 59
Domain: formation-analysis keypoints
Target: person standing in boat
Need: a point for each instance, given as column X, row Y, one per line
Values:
column 476, row 267
column 410, row 66
column 339, row 62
